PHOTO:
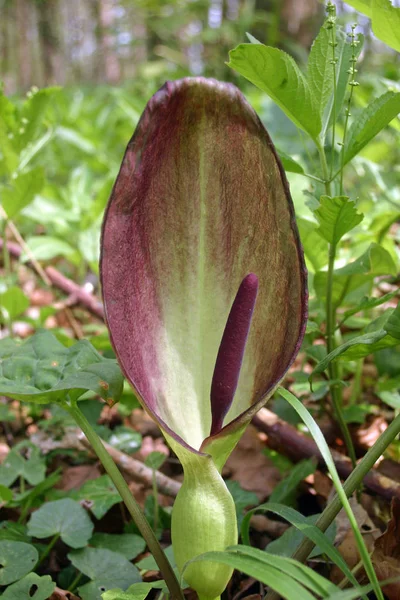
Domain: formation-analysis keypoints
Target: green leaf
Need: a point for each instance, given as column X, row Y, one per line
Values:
column 155, row 460
column 368, row 303
column 13, row 303
column 287, row 543
column 336, row 216
column 137, row 591
column 46, row 247
column 277, row 74
column 320, row 71
column 285, row 490
column 31, row 587
column 242, row 498
column 319, row 439
column 374, row 262
column 289, row 164
column 24, row 188
column 127, row 544
column 288, row 577
column 100, row 495
column 368, row 343
column 315, row 247
column 6, row 494
column 125, row 439
column 307, row 528
column 385, row 19
column 370, row 121
column 10, row 530
column 42, row 370
column 16, row 560
column 149, row 564
column 63, row 517
column 23, row 460
column 106, row 570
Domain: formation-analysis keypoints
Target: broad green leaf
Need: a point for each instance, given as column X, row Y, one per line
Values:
column 42, row 370
column 374, row 262
column 10, row 530
column 100, row 495
column 63, row 517
column 288, row 577
column 155, row 460
column 6, row 495
column 13, row 303
column 319, row 439
column 242, row 498
column 46, row 247
column 149, row 564
column 127, row 544
column 315, row 247
column 16, row 560
column 385, row 19
column 23, row 460
column 370, row 121
column 286, row 488
column 336, row 216
column 320, row 69
column 31, row 587
column 22, row 191
column 106, row 569
column 277, row 74
column 125, row 439
column 368, row 343
column 289, row 164
column 32, row 113
column 137, row 591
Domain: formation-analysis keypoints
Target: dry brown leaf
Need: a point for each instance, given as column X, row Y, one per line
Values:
column 74, row 477
column 251, row 468
column 60, row 594
column 386, row 556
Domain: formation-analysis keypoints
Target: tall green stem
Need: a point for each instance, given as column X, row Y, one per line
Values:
column 130, row 502
column 350, row 485
column 333, row 371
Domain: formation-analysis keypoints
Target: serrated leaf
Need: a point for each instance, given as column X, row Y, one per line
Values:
column 13, row 303
column 370, row 121
column 23, row 460
column 127, row 544
column 100, row 494
column 63, row 517
column 320, row 70
column 385, row 19
column 374, row 262
column 31, row 587
column 336, row 216
column 368, row 343
column 106, row 569
column 315, row 247
column 16, row 560
column 22, row 191
column 277, row 74
column 42, row 370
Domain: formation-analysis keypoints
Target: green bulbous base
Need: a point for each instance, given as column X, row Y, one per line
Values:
column 203, row 520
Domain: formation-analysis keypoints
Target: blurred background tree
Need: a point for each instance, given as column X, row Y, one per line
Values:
column 46, row 42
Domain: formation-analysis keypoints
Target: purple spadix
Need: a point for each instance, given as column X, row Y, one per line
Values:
column 231, row 351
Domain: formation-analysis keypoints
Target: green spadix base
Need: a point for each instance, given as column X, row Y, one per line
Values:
column 203, row 519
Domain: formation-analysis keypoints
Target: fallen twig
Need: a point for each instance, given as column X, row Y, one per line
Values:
column 296, row 445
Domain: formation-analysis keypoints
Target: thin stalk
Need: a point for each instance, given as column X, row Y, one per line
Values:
column 336, row 392
column 130, row 502
column 349, row 486
column 48, row 549
column 333, row 61
column 155, row 494
column 72, row 587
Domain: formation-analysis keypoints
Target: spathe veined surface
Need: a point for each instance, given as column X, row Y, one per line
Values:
column 200, row 202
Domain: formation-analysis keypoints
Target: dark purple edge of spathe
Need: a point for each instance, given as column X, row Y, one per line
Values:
column 157, row 100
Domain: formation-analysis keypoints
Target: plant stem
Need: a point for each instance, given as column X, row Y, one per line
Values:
column 155, row 494
column 336, row 392
column 130, row 502
column 350, row 485
column 48, row 549
column 72, row 587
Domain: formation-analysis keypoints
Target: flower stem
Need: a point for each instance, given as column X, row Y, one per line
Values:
column 350, row 485
column 130, row 502
column 333, row 371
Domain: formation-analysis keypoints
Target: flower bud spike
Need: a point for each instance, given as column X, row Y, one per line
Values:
column 231, row 351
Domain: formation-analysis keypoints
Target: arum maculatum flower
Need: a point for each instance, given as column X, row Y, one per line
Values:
column 204, row 289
